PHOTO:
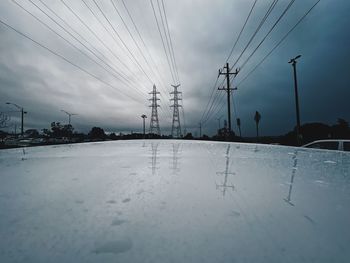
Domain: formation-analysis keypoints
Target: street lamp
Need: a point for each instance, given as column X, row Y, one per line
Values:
column 69, row 115
column 293, row 61
column 22, row 115
column 143, row 116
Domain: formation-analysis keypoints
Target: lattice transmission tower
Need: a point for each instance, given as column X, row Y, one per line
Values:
column 154, row 124
column 176, row 126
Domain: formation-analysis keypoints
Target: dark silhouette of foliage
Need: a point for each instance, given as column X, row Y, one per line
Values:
column 188, row 136
column 58, row 130
column 31, row 133
column 113, row 136
column 97, row 133
column 341, row 130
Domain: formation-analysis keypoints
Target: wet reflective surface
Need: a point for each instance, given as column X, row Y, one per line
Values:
column 174, row 201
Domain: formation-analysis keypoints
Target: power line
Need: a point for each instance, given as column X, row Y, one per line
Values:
column 171, row 42
column 215, row 102
column 142, row 40
column 124, row 44
column 268, row 33
column 132, row 37
column 171, row 51
column 213, row 110
column 262, row 22
column 134, row 40
column 214, row 88
column 65, row 59
column 82, row 37
column 96, row 36
column 166, row 39
column 109, row 33
column 279, row 42
column 101, row 41
column 69, row 42
column 161, row 36
column 133, row 58
column 104, row 27
column 207, row 110
column 240, row 33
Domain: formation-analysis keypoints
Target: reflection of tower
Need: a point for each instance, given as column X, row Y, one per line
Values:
column 224, row 186
column 175, row 161
column 294, row 169
column 154, row 147
column 176, row 127
column 154, row 125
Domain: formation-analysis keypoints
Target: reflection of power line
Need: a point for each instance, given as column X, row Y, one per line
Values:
column 226, row 173
column 175, row 160
column 154, row 155
column 295, row 164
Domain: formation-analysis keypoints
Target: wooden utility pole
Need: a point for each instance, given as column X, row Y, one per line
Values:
column 228, row 73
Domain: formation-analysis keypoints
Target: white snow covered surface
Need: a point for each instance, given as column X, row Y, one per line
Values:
column 174, row 201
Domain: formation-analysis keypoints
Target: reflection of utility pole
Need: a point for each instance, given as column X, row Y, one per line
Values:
column 294, row 169
column 69, row 115
column 293, row 61
column 228, row 73
column 224, row 186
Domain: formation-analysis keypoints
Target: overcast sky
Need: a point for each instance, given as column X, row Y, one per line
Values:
column 202, row 33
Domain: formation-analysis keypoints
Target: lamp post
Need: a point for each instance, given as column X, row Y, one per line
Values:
column 143, row 116
column 293, row 61
column 69, row 115
column 22, row 115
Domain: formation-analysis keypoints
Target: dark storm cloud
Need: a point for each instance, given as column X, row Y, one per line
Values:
column 203, row 33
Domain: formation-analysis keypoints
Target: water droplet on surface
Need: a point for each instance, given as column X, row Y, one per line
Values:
column 126, row 200
column 114, row 247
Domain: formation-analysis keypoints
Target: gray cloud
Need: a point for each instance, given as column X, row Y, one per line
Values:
column 203, row 32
